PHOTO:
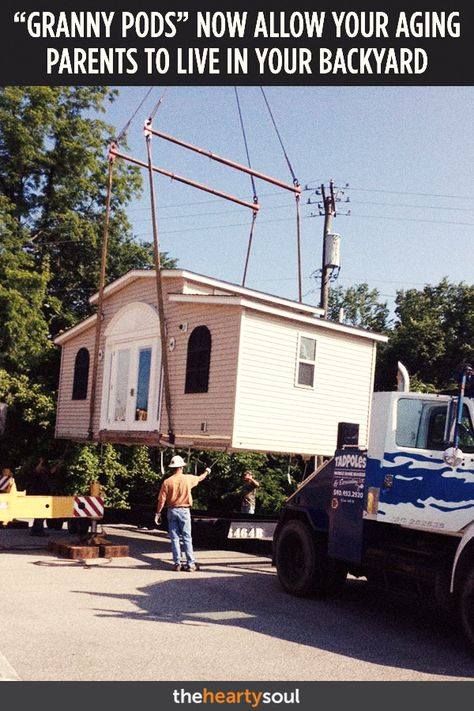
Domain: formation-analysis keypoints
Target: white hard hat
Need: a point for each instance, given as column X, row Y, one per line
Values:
column 176, row 462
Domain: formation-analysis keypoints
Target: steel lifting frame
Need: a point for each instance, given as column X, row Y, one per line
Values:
column 254, row 206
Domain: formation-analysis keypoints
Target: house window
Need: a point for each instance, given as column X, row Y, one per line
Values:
column 306, row 362
column 198, row 361
column 81, row 375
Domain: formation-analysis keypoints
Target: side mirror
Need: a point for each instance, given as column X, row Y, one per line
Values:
column 453, row 456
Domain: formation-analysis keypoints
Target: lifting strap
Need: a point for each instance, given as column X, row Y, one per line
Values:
column 297, row 197
column 157, row 105
column 159, row 288
column 99, row 315
column 127, row 125
column 254, row 188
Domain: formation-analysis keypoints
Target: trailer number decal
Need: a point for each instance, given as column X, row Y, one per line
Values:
column 245, row 532
column 261, row 530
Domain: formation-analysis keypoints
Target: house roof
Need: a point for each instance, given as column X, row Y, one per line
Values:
column 276, row 311
column 218, row 292
column 217, row 285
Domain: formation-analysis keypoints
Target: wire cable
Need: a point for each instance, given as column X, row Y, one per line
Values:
column 293, row 175
column 127, row 125
column 254, row 188
column 244, row 135
column 157, row 105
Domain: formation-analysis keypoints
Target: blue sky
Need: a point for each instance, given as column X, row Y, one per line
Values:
column 407, row 154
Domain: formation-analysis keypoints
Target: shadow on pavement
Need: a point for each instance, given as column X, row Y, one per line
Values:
column 359, row 623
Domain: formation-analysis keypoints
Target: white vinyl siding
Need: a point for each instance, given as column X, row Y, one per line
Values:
column 275, row 416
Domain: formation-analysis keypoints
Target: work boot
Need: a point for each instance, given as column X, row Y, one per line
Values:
column 191, row 568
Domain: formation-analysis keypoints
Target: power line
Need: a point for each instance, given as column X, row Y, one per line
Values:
column 285, row 206
column 422, row 207
column 410, row 219
column 399, row 192
column 263, row 221
column 207, row 213
column 306, row 189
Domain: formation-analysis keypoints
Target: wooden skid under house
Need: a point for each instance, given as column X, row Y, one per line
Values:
column 247, row 371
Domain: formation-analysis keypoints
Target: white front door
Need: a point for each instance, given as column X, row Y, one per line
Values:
column 134, row 386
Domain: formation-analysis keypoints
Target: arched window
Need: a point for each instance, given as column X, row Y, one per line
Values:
column 198, row 360
column 81, row 375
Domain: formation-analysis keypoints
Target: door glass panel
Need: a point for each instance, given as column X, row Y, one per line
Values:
column 121, row 385
column 143, row 384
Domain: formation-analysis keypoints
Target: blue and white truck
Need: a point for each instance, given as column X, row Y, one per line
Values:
column 399, row 511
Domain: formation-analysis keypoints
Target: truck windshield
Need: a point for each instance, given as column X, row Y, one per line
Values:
column 421, row 425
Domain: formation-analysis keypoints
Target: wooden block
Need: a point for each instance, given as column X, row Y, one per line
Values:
column 64, row 549
column 111, row 551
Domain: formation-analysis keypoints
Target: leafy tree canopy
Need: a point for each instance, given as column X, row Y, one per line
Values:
column 53, row 181
column 433, row 335
column 360, row 306
column 53, row 178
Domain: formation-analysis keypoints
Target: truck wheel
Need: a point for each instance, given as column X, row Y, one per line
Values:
column 466, row 607
column 303, row 566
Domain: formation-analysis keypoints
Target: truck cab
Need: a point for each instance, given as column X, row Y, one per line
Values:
column 408, row 480
column 411, row 531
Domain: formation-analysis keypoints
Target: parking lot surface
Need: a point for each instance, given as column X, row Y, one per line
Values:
column 135, row 619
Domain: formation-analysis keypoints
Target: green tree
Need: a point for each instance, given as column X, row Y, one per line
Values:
column 30, row 414
column 53, row 178
column 24, row 332
column 53, row 181
column 101, row 463
column 361, row 307
column 144, row 479
column 222, row 490
column 433, row 335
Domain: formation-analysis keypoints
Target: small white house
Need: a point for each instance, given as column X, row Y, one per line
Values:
column 247, row 371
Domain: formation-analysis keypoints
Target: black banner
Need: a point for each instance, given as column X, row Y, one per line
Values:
column 210, row 43
column 347, row 505
column 300, row 696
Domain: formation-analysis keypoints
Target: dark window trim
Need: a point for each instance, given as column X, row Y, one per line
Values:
column 198, row 360
column 81, row 374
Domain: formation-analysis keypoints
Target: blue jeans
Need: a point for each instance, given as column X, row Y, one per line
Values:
column 179, row 528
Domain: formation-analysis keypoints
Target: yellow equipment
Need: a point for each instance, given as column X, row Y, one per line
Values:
column 16, row 505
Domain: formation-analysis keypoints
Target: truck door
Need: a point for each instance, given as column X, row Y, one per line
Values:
column 418, row 489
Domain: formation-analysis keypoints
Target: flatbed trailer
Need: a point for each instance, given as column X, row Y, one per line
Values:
column 210, row 528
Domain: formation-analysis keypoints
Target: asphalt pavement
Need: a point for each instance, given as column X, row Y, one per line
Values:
column 135, row 619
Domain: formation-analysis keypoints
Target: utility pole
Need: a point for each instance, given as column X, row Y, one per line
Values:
column 330, row 262
column 329, row 206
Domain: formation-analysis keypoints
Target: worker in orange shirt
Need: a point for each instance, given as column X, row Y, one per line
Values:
column 175, row 494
